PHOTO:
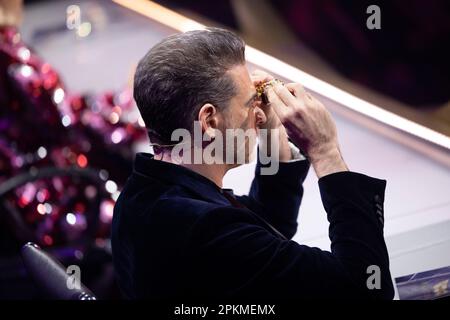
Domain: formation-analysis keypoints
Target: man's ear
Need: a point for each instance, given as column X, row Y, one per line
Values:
column 209, row 119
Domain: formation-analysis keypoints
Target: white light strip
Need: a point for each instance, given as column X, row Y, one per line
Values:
column 181, row 23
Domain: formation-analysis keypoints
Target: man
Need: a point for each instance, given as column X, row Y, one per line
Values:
column 177, row 233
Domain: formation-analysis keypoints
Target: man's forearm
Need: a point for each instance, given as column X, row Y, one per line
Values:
column 351, row 201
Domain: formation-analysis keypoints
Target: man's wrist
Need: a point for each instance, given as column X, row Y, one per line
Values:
column 285, row 148
column 327, row 162
column 281, row 145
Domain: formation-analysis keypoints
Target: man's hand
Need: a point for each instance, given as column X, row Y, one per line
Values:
column 272, row 122
column 310, row 126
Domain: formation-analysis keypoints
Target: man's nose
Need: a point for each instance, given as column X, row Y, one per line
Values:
column 260, row 116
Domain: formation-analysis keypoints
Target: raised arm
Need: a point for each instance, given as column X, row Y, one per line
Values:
column 244, row 259
column 277, row 197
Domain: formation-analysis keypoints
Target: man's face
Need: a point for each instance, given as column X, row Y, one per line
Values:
column 244, row 112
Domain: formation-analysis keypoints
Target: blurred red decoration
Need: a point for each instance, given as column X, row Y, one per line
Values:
column 57, row 149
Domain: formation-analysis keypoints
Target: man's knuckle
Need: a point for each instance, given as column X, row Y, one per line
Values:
column 291, row 113
column 299, row 106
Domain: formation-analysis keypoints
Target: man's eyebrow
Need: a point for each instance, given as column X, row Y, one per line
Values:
column 251, row 99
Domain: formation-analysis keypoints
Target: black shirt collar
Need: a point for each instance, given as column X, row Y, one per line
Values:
column 146, row 165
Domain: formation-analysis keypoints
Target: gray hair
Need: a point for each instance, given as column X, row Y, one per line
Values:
column 183, row 72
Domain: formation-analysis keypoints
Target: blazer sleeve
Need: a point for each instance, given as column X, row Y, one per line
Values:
column 277, row 197
column 244, row 259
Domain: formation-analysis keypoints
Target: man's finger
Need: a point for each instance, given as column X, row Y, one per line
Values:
column 259, row 76
column 285, row 95
column 276, row 103
column 297, row 89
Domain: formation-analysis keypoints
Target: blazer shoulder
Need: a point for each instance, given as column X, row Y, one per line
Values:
column 178, row 201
